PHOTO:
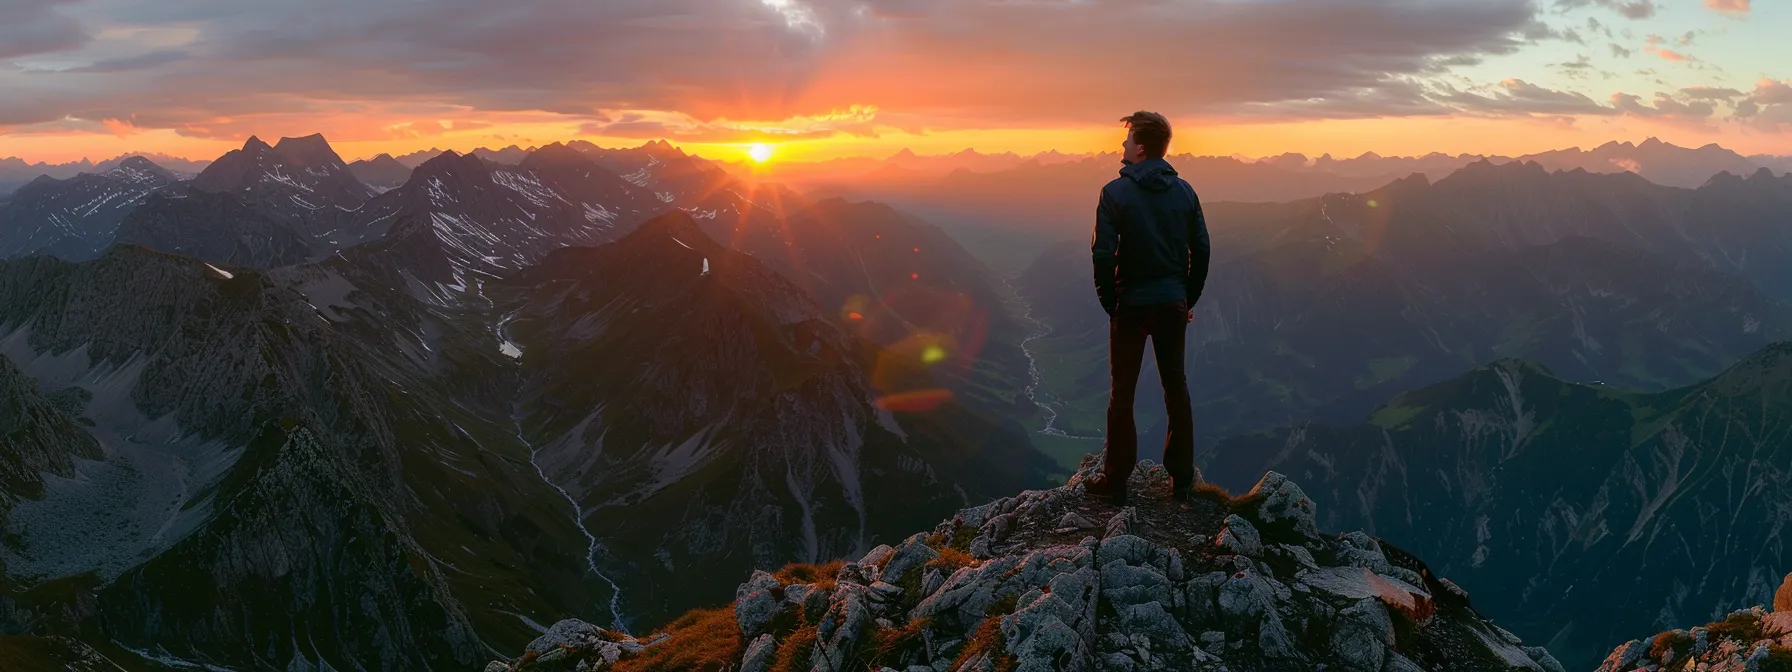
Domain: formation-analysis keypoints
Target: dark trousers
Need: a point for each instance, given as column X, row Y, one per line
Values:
column 1166, row 324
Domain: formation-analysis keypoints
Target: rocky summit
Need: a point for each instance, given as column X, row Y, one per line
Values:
column 1747, row 640
column 1055, row 580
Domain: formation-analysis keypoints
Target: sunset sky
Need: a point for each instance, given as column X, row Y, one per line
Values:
column 828, row 78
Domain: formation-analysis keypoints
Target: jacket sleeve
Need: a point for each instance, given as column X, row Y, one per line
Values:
column 1200, row 252
column 1104, row 247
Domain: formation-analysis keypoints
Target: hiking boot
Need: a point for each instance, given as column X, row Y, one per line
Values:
column 1100, row 486
column 1182, row 490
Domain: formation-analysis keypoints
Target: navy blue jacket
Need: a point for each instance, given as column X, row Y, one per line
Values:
column 1150, row 244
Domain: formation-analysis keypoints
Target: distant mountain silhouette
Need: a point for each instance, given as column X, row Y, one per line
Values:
column 1035, row 195
column 511, row 155
column 260, row 206
column 77, row 217
column 381, row 172
column 1654, row 160
column 15, row 173
column 304, row 170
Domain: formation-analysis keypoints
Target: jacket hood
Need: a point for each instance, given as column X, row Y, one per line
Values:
column 1151, row 174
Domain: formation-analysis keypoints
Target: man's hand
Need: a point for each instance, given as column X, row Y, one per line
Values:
column 1191, row 315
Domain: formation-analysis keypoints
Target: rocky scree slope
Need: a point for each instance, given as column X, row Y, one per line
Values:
column 1052, row 580
column 265, row 492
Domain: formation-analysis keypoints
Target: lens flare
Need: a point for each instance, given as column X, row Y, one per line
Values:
column 916, row 401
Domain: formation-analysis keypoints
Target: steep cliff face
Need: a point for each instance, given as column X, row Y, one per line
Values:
column 220, row 228
column 1051, row 580
column 1544, row 496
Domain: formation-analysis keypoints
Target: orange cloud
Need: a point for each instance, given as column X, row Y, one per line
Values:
column 120, row 128
column 856, row 120
column 1728, row 6
column 430, row 128
column 1654, row 47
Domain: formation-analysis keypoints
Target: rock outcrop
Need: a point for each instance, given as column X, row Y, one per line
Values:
column 1054, row 580
column 1747, row 640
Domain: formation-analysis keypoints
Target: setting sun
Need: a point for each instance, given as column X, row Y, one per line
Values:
column 760, row 152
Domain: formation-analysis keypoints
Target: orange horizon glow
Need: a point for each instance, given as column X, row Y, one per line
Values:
column 1340, row 138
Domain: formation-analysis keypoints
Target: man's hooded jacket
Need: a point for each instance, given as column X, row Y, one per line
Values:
column 1150, row 244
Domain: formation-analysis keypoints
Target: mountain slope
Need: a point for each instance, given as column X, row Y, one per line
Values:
column 76, row 218
column 41, row 439
column 336, row 504
column 891, row 279
column 1545, row 496
column 361, row 471
column 221, row 228
column 703, row 414
column 305, row 171
column 491, row 218
column 1052, row 580
column 260, row 206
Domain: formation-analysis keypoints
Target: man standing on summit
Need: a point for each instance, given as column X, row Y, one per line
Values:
column 1151, row 253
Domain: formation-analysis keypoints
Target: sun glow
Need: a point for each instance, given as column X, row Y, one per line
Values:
column 760, row 152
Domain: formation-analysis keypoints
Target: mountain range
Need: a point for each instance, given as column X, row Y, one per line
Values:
column 440, row 435
column 1602, row 277
column 299, row 413
column 77, row 217
column 1052, row 197
column 946, row 185
column 15, row 172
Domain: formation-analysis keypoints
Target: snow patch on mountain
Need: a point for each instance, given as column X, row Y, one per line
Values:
column 528, row 185
column 595, row 213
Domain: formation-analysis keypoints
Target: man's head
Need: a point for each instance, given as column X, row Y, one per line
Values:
column 1147, row 137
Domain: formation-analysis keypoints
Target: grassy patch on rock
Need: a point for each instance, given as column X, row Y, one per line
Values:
column 704, row 640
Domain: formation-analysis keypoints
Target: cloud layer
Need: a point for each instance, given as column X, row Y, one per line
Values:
column 747, row 70
column 962, row 62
